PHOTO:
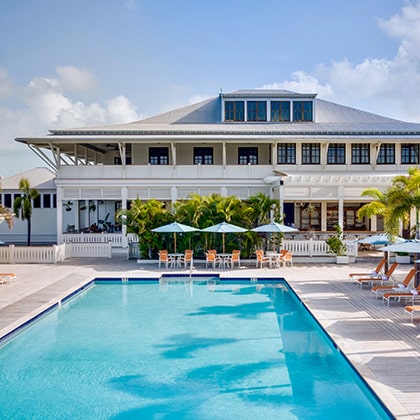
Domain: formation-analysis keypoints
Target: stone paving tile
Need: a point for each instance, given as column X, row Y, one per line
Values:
column 381, row 342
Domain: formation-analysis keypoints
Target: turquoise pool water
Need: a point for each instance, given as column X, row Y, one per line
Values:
column 180, row 350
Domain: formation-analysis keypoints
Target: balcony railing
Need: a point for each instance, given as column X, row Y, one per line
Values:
column 164, row 171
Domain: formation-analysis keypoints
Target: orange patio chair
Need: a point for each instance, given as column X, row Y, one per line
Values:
column 212, row 258
column 377, row 279
column 412, row 310
column 187, row 258
column 403, row 287
column 412, row 294
column 286, row 257
column 373, row 273
column 164, row 258
column 7, row 277
column 234, row 258
column 261, row 258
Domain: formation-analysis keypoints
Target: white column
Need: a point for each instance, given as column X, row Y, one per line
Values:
column 340, row 207
column 77, row 215
column 174, row 195
column 281, row 197
column 59, row 215
column 374, row 223
column 124, row 195
column 323, row 216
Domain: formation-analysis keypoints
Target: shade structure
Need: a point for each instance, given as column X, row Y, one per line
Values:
column 224, row 228
column 275, row 227
column 410, row 246
column 175, row 228
column 381, row 239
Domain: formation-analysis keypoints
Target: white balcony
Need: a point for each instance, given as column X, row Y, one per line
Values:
column 113, row 172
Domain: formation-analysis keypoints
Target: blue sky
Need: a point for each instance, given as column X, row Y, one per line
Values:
column 92, row 62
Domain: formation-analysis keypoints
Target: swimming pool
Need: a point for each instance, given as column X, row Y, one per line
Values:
column 198, row 349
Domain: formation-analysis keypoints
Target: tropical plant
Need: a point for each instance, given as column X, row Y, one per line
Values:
column 403, row 196
column 335, row 242
column 140, row 219
column 376, row 207
column 22, row 206
column 201, row 212
column 6, row 215
column 260, row 208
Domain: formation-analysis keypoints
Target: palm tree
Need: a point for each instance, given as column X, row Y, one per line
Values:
column 260, row 208
column 6, row 215
column 403, row 196
column 378, row 206
column 22, row 206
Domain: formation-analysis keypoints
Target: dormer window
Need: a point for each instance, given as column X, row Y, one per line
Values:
column 302, row 110
column 257, row 111
column 280, row 111
column 234, row 111
column 267, row 106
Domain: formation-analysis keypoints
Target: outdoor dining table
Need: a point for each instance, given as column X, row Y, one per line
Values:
column 225, row 258
column 274, row 258
column 176, row 258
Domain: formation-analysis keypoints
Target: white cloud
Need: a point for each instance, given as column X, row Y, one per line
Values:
column 50, row 103
column 72, row 79
column 6, row 85
column 387, row 87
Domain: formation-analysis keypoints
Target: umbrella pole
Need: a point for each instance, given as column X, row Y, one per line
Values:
column 223, row 242
column 175, row 242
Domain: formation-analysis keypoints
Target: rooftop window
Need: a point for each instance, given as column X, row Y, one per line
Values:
column 302, row 111
column 234, row 111
column 280, row 110
column 257, row 111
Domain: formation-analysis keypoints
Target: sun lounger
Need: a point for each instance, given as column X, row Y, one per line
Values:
column 7, row 277
column 413, row 294
column 375, row 272
column 402, row 287
column 377, row 279
column 412, row 310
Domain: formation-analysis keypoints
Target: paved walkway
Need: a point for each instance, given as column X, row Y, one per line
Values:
column 381, row 342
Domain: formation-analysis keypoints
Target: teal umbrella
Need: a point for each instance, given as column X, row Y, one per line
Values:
column 275, row 227
column 175, row 228
column 224, row 228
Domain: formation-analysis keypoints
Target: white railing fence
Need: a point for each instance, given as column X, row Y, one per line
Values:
column 53, row 254
column 98, row 238
column 32, row 254
column 313, row 248
column 99, row 250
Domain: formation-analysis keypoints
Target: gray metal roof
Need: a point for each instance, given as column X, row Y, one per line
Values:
column 205, row 118
column 39, row 178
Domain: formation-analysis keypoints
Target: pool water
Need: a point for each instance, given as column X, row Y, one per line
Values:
column 180, row 350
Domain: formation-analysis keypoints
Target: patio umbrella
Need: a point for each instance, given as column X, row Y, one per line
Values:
column 175, row 228
column 275, row 227
column 409, row 246
column 381, row 239
column 224, row 228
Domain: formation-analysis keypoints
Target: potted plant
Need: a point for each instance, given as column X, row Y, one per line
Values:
column 337, row 246
column 402, row 258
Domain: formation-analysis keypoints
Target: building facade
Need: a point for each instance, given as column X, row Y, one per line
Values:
column 44, row 208
column 314, row 156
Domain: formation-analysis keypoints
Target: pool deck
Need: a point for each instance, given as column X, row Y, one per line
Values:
column 380, row 341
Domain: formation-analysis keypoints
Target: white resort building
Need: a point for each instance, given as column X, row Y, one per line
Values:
column 294, row 147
